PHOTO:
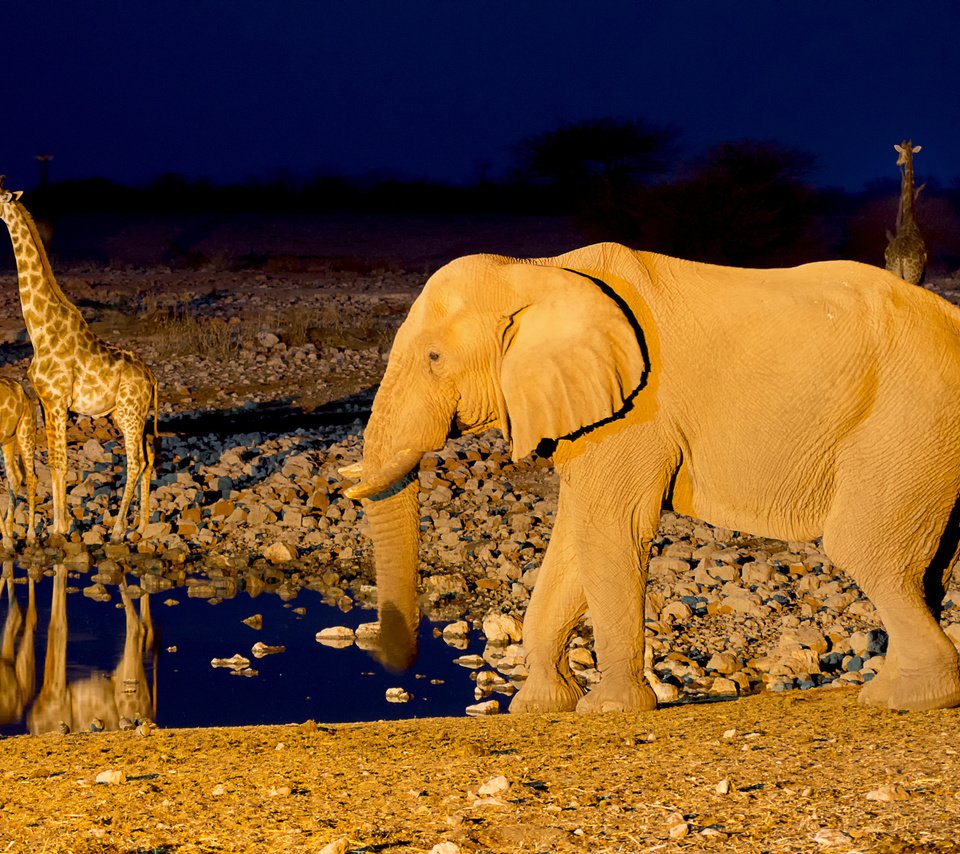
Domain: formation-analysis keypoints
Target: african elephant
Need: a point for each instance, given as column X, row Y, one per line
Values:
column 816, row 401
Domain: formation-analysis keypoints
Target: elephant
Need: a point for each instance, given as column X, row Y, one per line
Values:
column 818, row 401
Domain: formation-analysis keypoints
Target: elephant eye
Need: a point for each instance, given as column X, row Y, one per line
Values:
column 434, row 356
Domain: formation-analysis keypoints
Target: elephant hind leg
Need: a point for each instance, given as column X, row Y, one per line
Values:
column 903, row 575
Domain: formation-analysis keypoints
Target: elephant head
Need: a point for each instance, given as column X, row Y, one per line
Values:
column 539, row 351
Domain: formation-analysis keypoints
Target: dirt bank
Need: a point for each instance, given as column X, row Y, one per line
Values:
column 804, row 772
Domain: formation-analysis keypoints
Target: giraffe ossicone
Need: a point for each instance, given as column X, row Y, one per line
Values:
column 73, row 370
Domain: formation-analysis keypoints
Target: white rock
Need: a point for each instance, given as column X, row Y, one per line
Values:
column 723, row 662
column 488, row 707
column 830, row 838
column 443, row 848
column 456, row 631
column 494, row 786
column 235, row 662
column 338, row 846
column 338, row 637
column 261, row 649
column 889, row 792
column 111, row 777
column 723, row 787
column 397, row 695
column 502, row 629
column 472, row 662
column 280, row 552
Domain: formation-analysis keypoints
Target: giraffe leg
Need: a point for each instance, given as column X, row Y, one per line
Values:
column 27, row 447
column 13, row 484
column 55, row 420
column 131, row 417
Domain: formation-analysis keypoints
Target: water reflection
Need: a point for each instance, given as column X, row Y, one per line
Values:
column 99, row 670
column 99, row 701
column 17, row 661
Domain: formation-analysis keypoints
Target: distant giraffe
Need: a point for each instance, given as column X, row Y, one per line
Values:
column 906, row 254
column 73, row 370
column 18, row 440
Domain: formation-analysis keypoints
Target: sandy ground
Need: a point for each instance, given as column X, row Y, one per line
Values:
column 794, row 772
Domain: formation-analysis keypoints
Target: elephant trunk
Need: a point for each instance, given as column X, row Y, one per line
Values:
column 394, row 525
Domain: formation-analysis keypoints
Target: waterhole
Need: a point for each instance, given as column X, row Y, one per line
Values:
column 71, row 660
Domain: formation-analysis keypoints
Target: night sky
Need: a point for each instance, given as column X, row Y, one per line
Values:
column 443, row 89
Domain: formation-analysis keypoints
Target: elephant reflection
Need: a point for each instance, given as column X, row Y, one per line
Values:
column 104, row 698
column 17, row 662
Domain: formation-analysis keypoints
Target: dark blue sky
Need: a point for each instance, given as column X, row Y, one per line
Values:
column 129, row 89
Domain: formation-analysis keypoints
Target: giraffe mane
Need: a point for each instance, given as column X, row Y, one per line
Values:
column 42, row 253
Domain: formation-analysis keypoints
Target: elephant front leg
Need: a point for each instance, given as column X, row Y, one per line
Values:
column 555, row 608
column 615, row 580
column 619, row 495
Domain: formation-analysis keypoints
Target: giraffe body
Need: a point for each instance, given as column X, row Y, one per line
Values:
column 72, row 370
column 906, row 254
column 18, row 441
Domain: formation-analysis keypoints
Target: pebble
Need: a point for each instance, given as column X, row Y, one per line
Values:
column 488, row 707
column 494, row 786
column 398, row 695
column 260, row 649
column 111, row 777
column 888, row 792
column 235, row 662
column 444, row 848
column 338, row 846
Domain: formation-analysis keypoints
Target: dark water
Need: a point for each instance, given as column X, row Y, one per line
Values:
column 93, row 660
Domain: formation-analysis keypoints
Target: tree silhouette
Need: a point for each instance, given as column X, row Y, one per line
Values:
column 744, row 203
column 593, row 165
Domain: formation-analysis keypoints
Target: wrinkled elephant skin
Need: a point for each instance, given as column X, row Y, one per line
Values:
column 816, row 401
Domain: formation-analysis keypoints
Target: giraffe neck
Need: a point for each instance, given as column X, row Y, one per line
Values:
column 905, row 214
column 40, row 296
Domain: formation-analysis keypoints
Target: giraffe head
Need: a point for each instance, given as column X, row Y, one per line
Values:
column 905, row 150
column 7, row 197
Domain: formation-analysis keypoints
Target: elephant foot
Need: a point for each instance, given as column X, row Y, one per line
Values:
column 619, row 696
column 547, row 694
column 914, row 693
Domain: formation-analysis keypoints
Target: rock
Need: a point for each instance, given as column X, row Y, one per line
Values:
column 488, row 707
column 111, row 777
column 443, row 848
column 456, row 634
column 235, row 662
column 260, row 649
column 724, row 662
column 473, row 662
column 338, row 846
column 494, row 786
column 255, row 622
column 677, row 611
column 502, row 629
column 723, row 787
column 724, row 686
column 830, row 838
column 338, row 637
column 280, row 552
column 398, row 695
column 889, row 792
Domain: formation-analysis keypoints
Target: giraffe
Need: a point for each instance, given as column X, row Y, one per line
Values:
column 906, row 255
column 73, row 370
column 18, row 440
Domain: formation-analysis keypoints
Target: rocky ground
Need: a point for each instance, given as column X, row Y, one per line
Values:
column 264, row 382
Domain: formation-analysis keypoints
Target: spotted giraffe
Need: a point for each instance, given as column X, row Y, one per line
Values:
column 73, row 370
column 18, row 440
column 906, row 254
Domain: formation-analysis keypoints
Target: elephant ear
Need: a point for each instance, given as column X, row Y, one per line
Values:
column 571, row 356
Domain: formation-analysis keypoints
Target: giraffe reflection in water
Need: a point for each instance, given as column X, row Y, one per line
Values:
column 100, row 700
column 17, row 661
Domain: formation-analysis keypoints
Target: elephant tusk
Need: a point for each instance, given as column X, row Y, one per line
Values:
column 354, row 471
column 401, row 464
